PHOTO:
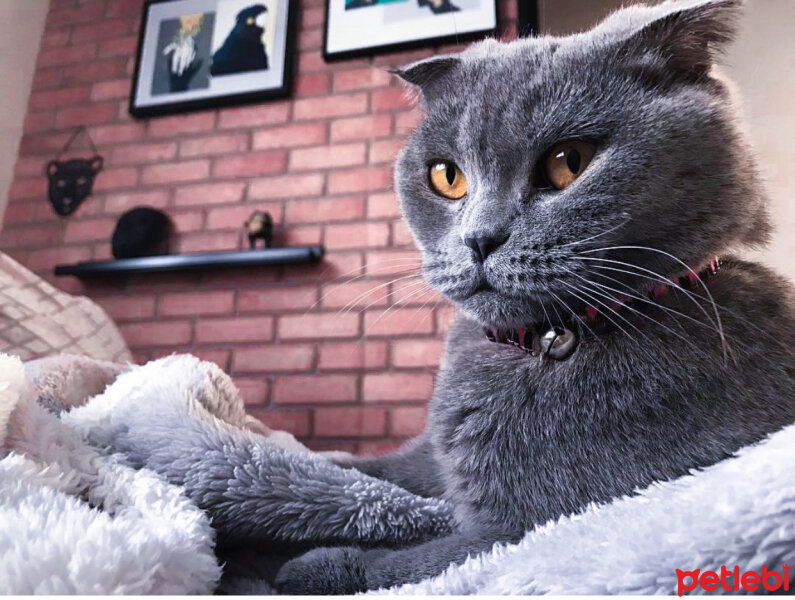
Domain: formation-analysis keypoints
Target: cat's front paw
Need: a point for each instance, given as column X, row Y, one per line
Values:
column 323, row 571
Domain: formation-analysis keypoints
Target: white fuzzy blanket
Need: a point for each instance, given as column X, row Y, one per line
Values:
column 75, row 520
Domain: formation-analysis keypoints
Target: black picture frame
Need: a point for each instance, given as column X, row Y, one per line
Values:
column 528, row 21
column 283, row 90
column 454, row 38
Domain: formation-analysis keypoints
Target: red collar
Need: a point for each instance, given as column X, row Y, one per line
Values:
column 558, row 340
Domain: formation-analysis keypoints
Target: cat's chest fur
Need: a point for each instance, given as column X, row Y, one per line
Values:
column 521, row 439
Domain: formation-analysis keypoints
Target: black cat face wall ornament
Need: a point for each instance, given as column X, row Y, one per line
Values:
column 71, row 182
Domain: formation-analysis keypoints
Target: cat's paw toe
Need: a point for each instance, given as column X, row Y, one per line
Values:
column 323, row 571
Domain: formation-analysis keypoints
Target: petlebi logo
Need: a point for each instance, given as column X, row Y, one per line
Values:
column 733, row 580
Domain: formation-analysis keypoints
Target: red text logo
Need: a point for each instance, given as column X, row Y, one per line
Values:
column 733, row 580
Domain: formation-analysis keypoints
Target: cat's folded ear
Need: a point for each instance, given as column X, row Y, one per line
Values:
column 429, row 75
column 686, row 34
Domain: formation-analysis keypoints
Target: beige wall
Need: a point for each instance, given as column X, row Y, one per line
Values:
column 762, row 63
column 21, row 26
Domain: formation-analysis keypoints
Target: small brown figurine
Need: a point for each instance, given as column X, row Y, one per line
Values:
column 259, row 226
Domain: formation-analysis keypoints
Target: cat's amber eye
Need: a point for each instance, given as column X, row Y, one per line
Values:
column 448, row 180
column 566, row 161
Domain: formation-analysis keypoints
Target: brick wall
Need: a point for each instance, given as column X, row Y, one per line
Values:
column 334, row 352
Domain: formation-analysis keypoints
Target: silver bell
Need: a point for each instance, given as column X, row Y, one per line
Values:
column 558, row 343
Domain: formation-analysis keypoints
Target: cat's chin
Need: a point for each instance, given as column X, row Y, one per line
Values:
column 493, row 309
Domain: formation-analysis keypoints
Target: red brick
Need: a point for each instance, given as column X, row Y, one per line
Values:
column 334, row 267
column 253, row 391
column 128, row 308
column 382, row 205
column 96, row 70
column 401, row 235
column 407, row 421
column 114, row 179
column 288, row 186
column 214, row 145
column 355, row 294
column 55, row 38
column 312, row 84
column 274, row 358
column 415, row 291
column 107, row 29
column 201, row 303
column 86, row 115
column 352, row 356
column 405, row 321
column 392, row 387
column 187, row 221
column 357, row 235
column 406, row 122
column 314, row 389
column 63, row 56
column 296, row 421
column 117, row 8
column 237, row 329
column 326, row 157
column 47, row 258
column 385, row 151
column 44, row 79
column 143, row 153
column 122, row 202
column 312, row 18
column 355, row 79
column 350, row 422
column 122, row 46
column 361, row 128
column 254, row 163
column 311, row 39
column 162, row 333
column 326, row 210
column 35, row 122
column 416, row 353
column 359, row 180
column 220, row 356
column 111, row 134
column 106, row 90
column 402, row 262
column 291, row 135
column 313, row 326
column 28, row 188
column 75, row 14
column 277, row 299
column 181, row 124
column 392, row 99
column 29, row 165
column 330, row 106
column 249, row 117
column 209, row 193
column 210, row 242
column 167, row 173
column 20, row 212
column 445, row 315
column 235, row 216
column 298, row 236
column 89, row 229
column 60, row 97
column 377, row 448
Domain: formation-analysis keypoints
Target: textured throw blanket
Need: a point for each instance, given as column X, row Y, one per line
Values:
column 114, row 491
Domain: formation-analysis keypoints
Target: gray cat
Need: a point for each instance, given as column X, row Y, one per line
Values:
column 565, row 193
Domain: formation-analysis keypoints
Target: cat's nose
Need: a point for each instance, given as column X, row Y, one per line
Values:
column 484, row 245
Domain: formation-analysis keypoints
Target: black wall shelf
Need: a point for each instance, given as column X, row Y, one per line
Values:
column 194, row 262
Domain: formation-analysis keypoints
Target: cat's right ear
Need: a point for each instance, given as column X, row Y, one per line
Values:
column 428, row 75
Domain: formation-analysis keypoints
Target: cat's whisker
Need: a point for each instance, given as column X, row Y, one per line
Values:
column 582, row 322
column 573, row 291
column 654, row 277
column 611, row 298
column 598, row 235
column 724, row 343
column 365, row 294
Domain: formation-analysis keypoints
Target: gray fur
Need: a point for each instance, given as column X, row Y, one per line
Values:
column 513, row 440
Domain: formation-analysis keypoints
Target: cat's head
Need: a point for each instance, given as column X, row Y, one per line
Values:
column 536, row 156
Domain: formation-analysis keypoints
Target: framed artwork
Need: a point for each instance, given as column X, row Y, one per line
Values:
column 365, row 27
column 528, row 18
column 196, row 54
